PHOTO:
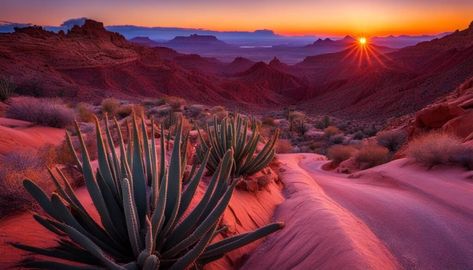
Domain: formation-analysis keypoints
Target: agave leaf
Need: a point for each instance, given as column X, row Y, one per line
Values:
column 191, row 188
column 139, row 179
column 228, row 244
column 90, row 246
column 73, row 151
column 132, row 220
column 102, row 157
column 191, row 256
column 93, row 188
column 40, row 196
column 183, row 229
column 55, row 265
column 174, row 186
column 209, row 222
column 79, row 255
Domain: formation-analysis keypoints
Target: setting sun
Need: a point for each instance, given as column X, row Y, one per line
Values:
column 362, row 40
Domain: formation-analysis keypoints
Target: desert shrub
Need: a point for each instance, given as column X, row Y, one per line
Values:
column 45, row 112
column 195, row 110
column 126, row 110
column 176, row 103
column 110, row 106
column 296, row 121
column 160, row 111
column 7, row 87
column 151, row 102
column 359, row 135
column 171, row 120
column 63, row 155
column 339, row 153
column 371, row 155
column 48, row 155
column 85, row 112
column 323, row 123
column 145, row 223
column 392, row 140
column 296, row 115
column 439, row 149
column 330, row 131
column 337, row 139
column 218, row 111
column 15, row 167
column 370, row 131
column 268, row 121
column 284, row 146
column 317, row 146
column 232, row 133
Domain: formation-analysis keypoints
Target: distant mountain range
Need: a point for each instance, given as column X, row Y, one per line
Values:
column 210, row 46
column 241, row 38
column 371, row 83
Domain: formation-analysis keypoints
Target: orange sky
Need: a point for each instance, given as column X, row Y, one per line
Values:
column 297, row 17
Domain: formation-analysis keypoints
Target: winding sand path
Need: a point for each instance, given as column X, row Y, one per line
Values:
column 395, row 216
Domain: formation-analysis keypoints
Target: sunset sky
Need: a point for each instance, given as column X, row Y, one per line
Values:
column 294, row 17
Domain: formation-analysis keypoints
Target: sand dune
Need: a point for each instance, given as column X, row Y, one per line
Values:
column 393, row 216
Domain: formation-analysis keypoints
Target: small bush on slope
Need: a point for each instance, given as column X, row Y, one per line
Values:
column 15, row 166
column 84, row 112
column 44, row 112
column 284, row 146
column 440, row 149
column 392, row 140
column 110, row 106
column 340, row 153
column 371, row 155
column 146, row 221
column 330, row 131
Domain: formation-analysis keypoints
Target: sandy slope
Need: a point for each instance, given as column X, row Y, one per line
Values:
column 393, row 216
column 20, row 135
column 246, row 212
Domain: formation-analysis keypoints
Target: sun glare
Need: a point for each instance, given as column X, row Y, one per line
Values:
column 362, row 40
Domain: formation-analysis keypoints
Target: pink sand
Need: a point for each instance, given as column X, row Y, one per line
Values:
column 395, row 216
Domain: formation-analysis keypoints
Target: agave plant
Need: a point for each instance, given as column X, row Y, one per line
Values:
column 232, row 134
column 144, row 216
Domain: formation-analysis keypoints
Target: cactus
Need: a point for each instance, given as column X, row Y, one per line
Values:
column 232, row 134
column 6, row 89
column 146, row 221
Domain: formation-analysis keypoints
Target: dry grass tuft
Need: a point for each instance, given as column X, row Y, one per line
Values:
column 110, row 106
column 440, row 149
column 284, row 146
column 372, row 155
column 339, row 153
column 46, row 112
column 393, row 140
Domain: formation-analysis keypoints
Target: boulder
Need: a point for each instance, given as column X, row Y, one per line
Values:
column 461, row 126
column 436, row 116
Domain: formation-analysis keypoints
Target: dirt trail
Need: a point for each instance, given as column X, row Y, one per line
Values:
column 393, row 216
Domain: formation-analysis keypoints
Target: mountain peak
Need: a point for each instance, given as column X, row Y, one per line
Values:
column 348, row 38
column 274, row 62
column 34, row 31
column 196, row 39
column 94, row 30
